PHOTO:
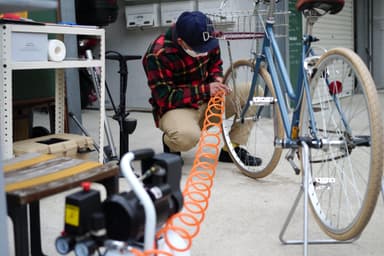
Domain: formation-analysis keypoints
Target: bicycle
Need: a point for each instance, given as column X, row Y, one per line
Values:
column 335, row 110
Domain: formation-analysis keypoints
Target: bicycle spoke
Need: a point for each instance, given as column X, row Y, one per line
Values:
column 345, row 169
column 257, row 121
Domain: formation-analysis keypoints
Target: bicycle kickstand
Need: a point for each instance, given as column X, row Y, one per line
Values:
column 306, row 178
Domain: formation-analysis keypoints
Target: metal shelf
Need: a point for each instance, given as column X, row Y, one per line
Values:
column 26, row 5
column 136, row 2
column 7, row 65
column 55, row 65
column 57, row 29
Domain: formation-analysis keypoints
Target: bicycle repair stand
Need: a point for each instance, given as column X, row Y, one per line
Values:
column 304, row 189
column 110, row 149
column 126, row 125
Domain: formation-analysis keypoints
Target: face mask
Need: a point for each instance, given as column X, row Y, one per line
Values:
column 194, row 54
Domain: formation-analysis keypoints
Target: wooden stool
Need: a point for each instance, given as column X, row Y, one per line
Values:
column 31, row 177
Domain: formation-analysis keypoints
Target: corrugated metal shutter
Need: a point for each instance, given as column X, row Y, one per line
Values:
column 378, row 43
column 336, row 30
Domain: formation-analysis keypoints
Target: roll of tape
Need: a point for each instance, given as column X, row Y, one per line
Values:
column 56, row 50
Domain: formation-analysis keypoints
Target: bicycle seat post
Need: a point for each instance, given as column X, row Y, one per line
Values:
column 310, row 22
column 271, row 11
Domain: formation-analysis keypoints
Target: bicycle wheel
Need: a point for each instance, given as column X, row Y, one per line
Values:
column 345, row 173
column 262, row 123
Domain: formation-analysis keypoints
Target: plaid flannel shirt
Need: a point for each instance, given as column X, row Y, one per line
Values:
column 176, row 79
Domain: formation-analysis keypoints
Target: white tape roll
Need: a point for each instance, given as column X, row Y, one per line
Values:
column 56, row 50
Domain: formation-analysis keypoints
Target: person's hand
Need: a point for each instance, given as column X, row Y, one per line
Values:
column 216, row 87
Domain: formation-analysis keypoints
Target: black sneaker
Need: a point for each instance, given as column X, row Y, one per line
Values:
column 244, row 156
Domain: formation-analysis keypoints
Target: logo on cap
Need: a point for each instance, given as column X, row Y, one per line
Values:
column 196, row 29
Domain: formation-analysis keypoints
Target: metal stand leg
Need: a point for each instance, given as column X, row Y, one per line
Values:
column 19, row 217
column 382, row 187
column 108, row 132
column 106, row 157
column 35, row 230
column 304, row 190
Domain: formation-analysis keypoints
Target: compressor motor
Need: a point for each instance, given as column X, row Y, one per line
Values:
column 91, row 224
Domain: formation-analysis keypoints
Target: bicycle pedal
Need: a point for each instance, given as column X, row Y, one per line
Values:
column 262, row 101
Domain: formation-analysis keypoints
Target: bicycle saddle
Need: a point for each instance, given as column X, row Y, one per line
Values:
column 331, row 6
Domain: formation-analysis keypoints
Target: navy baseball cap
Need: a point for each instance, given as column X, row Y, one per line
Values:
column 195, row 28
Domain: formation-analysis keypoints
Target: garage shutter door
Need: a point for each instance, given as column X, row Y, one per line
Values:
column 336, row 30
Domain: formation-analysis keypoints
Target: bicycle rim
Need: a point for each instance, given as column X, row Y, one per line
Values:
column 345, row 176
column 260, row 122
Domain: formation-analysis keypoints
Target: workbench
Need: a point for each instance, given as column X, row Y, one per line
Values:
column 33, row 176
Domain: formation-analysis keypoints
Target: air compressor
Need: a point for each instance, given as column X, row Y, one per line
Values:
column 127, row 219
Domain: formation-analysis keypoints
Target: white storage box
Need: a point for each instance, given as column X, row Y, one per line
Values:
column 145, row 15
column 29, row 46
column 171, row 11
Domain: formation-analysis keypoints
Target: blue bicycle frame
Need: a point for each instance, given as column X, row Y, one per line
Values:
column 272, row 57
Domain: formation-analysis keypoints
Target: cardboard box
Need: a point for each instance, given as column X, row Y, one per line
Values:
column 65, row 144
column 29, row 46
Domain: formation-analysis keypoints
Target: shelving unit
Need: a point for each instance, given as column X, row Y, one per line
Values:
column 7, row 65
column 23, row 5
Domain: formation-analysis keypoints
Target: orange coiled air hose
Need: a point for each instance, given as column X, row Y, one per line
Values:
column 197, row 189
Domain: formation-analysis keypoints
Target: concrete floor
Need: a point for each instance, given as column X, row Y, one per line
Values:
column 244, row 216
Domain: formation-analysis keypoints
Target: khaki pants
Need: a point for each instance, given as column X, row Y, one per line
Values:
column 182, row 127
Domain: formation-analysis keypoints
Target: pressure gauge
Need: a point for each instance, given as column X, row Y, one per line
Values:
column 81, row 249
column 63, row 245
column 85, row 248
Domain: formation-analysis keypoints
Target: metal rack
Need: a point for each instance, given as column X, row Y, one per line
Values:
column 7, row 65
column 248, row 24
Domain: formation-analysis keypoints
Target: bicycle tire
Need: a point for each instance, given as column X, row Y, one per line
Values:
column 345, row 180
column 260, row 141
